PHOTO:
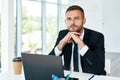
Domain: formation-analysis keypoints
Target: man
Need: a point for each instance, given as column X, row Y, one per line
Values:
column 90, row 44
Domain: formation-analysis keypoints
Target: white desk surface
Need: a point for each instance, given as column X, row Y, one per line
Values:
column 81, row 76
column 86, row 76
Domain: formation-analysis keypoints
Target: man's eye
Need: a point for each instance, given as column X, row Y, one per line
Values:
column 68, row 18
column 76, row 18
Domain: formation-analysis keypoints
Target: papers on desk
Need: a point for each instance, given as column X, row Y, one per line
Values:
column 105, row 78
column 80, row 76
column 86, row 76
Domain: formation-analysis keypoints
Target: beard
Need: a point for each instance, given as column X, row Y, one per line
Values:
column 75, row 28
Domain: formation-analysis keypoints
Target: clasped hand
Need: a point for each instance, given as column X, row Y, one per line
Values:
column 72, row 36
column 69, row 38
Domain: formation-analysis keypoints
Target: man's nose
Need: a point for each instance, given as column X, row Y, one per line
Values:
column 72, row 21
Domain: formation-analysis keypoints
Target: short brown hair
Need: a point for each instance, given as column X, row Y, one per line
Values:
column 75, row 7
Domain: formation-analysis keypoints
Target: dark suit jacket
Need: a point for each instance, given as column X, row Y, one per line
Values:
column 94, row 59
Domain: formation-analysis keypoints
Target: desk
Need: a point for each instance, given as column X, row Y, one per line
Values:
column 11, row 76
column 86, row 76
column 81, row 76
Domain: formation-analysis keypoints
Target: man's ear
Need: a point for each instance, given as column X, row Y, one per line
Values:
column 84, row 21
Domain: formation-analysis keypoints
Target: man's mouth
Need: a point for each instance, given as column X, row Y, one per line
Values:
column 72, row 26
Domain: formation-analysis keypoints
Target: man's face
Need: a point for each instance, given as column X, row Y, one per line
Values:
column 74, row 20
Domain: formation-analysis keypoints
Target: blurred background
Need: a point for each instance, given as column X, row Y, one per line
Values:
column 32, row 26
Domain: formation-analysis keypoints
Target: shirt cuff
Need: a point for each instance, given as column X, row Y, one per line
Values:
column 57, row 51
column 83, row 50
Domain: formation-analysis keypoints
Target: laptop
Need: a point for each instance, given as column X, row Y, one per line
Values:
column 41, row 67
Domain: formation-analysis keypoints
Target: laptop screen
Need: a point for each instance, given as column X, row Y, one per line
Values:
column 41, row 67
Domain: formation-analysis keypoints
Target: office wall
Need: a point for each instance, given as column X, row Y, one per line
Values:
column 111, row 25
column 93, row 13
column 104, row 16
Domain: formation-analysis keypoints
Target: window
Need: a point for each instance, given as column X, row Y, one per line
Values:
column 31, row 26
column 66, row 2
column 51, row 1
column 0, row 34
column 51, row 25
column 40, row 24
column 63, row 26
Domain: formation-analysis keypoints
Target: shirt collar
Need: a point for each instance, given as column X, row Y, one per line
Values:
column 82, row 35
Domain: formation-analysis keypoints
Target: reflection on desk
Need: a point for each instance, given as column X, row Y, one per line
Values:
column 105, row 78
column 86, row 76
column 81, row 76
column 11, row 76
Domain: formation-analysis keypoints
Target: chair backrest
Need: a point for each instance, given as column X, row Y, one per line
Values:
column 107, row 66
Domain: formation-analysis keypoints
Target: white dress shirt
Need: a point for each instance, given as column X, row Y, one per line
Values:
column 81, row 51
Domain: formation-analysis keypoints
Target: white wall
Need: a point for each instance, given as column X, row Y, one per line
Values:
column 93, row 13
column 111, row 25
column 104, row 16
column 7, row 34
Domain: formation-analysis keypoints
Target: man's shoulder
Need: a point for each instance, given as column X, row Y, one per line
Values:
column 93, row 32
column 64, row 31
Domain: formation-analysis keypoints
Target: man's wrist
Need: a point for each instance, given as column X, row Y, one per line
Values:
column 61, row 45
column 81, row 44
column 57, row 51
column 84, row 50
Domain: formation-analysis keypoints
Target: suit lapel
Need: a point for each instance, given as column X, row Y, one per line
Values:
column 86, row 36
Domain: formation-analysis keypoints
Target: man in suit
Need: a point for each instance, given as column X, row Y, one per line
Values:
column 90, row 44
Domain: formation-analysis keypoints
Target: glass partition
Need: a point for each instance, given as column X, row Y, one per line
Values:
column 0, row 36
column 41, row 22
column 31, row 26
column 51, row 25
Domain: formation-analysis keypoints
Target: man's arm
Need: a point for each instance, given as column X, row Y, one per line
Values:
column 92, row 53
column 94, row 58
column 60, row 43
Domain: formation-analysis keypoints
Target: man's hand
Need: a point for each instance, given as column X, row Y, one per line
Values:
column 69, row 38
column 76, row 38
